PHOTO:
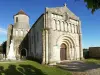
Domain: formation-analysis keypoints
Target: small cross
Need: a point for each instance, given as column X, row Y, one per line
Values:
column 65, row 4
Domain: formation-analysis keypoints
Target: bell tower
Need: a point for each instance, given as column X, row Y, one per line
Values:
column 21, row 19
column 20, row 29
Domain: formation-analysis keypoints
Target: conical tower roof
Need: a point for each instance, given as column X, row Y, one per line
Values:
column 21, row 12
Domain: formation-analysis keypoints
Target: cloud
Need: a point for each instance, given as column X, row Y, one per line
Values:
column 3, row 31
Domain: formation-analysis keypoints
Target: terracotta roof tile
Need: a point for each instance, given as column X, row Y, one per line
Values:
column 21, row 12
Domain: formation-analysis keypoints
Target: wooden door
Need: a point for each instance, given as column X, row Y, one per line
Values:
column 63, row 52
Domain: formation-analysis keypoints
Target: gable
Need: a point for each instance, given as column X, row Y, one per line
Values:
column 62, row 11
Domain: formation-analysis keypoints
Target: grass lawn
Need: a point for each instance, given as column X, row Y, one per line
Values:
column 30, row 68
column 95, row 61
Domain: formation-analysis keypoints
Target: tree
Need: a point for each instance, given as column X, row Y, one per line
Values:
column 1, row 49
column 93, row 5
column 4, row 47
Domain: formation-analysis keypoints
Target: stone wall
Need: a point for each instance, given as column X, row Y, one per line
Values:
column 94, row 52
column 9, row 37
column 35, row 39
column 56, row 26
column 59, row 24
column 17, row 32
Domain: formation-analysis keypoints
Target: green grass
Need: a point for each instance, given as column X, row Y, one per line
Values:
column 95, row 61
column 30, row 68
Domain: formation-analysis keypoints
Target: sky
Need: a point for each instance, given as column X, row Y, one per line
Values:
column 34, row 8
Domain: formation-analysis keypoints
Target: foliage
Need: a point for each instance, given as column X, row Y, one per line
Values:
column 4, row 47
column 93, row 5
column 95, row 61
column 30, row 68
column 86, row 53
column 1, row 49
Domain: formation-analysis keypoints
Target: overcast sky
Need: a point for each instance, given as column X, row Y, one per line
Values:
column 34, row 8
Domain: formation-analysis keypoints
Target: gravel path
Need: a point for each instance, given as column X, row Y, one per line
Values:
column 81, row 68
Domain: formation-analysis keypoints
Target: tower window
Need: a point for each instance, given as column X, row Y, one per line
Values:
column 16, row 19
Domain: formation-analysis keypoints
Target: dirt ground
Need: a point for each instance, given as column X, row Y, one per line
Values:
column 81, row 68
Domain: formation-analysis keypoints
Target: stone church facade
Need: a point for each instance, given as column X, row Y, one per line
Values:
column 55, row 36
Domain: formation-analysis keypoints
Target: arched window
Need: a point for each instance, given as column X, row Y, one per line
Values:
column 66, row 26
column 58, row 25
column 69, row 28
column 16, row 33
column 77, row 29
column 54, row 24
column 16, row 19
column 62, row 26
column 73, row 28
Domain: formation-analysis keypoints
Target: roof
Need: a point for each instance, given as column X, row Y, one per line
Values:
column 21, row 12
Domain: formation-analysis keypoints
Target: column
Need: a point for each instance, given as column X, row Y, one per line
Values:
column 73, row 53
column 43, row 54
column 80, row 41
column 46, row 46
column 71, row 49
column 68, row 53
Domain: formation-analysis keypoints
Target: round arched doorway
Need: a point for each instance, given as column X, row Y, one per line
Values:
column 63, row 52
column 23, row 53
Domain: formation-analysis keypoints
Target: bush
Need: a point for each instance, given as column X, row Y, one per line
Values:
column 1, row 56
column 86, row 53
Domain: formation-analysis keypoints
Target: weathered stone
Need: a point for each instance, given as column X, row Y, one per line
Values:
column 43, row 41
column 17, row 32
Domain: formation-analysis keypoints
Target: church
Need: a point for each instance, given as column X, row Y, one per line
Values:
column 55, row 36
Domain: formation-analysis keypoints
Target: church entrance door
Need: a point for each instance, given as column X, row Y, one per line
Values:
column 63, row 52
